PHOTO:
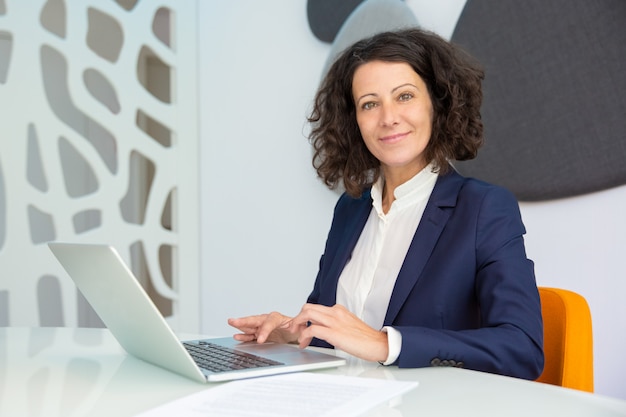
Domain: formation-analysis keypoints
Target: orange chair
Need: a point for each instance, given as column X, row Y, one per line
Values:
column 567, row 339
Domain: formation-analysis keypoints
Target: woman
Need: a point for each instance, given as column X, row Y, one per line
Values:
column 422, row 267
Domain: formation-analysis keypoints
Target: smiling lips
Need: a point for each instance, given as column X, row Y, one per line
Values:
column 393, row 138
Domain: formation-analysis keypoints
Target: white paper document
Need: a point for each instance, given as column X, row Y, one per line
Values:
column 289, row 395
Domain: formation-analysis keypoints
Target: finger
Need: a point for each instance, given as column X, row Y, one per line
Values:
column 247, row 324
column 250, row 321
column 317, row 331
column 248, row 330
column 272, row 322
column 304, row 317
column 313, row 314
column 244, row 337
column 304, row 341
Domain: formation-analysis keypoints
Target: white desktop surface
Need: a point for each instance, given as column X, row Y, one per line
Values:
column 84, row 372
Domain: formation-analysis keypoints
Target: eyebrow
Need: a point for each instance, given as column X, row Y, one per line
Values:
column 404, row 85
column 393, row 90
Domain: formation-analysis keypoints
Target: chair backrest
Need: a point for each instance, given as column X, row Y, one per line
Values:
column 568, row 339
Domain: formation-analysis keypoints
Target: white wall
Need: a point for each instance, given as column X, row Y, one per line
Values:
column 580, row 244
column 265, row 215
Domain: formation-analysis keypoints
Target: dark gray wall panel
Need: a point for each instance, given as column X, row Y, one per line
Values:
column 555, row 94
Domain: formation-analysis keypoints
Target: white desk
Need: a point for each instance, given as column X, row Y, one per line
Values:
column 84, row 372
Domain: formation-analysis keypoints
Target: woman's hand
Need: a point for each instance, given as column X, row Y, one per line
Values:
column 272, row 327
column 337, row 326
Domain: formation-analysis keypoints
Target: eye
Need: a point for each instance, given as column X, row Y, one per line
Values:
column 405, row 96
column 368, row 106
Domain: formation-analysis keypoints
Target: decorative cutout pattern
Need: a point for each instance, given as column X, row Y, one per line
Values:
column 5, row 54
column 109, row 46
column 101, row 89
column 87, row 151
column 3, row 211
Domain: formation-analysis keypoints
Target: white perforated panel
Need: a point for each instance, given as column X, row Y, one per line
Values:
column 98, row 143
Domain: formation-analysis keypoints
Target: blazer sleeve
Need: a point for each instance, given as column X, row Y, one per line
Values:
column 480, row 251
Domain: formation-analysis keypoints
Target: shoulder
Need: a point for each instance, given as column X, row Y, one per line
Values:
column 351, row 212
column 495, row 210
column 491, row 196
column 348, row 203
column 468, row 190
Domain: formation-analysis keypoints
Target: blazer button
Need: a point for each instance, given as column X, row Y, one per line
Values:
column 435, row 362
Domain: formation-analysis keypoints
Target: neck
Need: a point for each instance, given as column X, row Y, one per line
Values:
column 389, row 187
column 394, row 178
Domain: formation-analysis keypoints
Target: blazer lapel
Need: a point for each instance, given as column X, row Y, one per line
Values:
column 352, row 227
column 434, row 219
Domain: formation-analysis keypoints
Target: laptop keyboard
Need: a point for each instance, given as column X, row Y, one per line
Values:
column 217, row 358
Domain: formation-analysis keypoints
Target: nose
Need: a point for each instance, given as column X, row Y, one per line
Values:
column 388, row 115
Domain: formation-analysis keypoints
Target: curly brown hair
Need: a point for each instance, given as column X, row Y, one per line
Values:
column 454, row 81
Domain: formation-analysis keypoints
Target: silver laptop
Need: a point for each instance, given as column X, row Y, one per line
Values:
column 122, row 304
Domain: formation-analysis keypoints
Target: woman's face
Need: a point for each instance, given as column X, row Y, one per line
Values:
column 394, row 113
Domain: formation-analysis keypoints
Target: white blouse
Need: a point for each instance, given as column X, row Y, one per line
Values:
column 367, row 281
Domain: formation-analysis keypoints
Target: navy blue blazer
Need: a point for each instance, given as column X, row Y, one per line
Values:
column 466, row 293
